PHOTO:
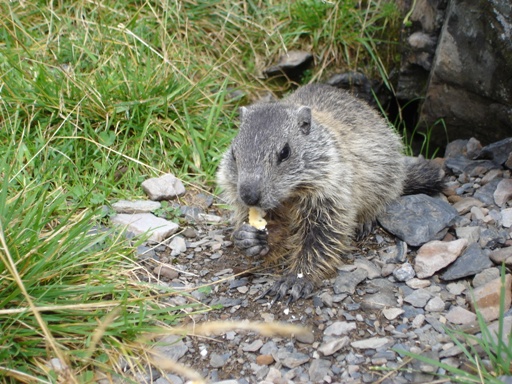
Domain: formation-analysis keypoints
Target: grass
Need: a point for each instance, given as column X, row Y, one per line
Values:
column 94, row 98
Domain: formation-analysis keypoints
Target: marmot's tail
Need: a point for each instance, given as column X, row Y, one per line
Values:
column 423, row 176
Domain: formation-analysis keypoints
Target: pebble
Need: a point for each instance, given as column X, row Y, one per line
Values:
column 339, row 328
column 346, row 282
column 459, row 315
column 485, row 276
column 502, row 255
column 370, row 343
column 404, row 272
column 418, row 298
column 487, row 297
column 264, row 359
column 503, row 192
column 392, row 313
column 253, row 347
column 330, row 347
column 436, row 304
column 165, row 187
column 472, row 261
column 436, row 255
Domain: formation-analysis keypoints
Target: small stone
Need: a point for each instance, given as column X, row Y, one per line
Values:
column 416, row 283
column 436, row 304
column 178, row 245
column 264, row 359
column 371, row 268
column 502, row 255
column 293, row 360
column 142, row 223
column 165, row 187
column 207, row 218
column 379, row 300
column 172, row 347
column 404, row 272
column 371, row 343
column 392, row 313
column 57, row 365
column 470, row 263
column 459, row 315
column 331, row 347
column 456, row 288
column 346, row 282
column 339, row 328
column 464, row 206
column 306, row 337
column 503, row 192
column 506, row 217
column 418, row 298
column 253, row 347
column 436, row 255
column 318, row 370
column 487, row 298
column 418, row 321
column 165, row 271
column 217, row 360
column 485, row 276
column 471, row 234
column 138, row 206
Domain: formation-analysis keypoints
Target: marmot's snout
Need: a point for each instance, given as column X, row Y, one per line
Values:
column 249, row 192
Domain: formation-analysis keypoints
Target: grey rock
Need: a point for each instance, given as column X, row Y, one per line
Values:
column 253, row 347
column 404, row 272
column 370, row 343
column 464, row 205
column 502, row 255
column 306, row 337
column 436, row 304
column 492, row 238
column 339, row 328
column 172, row 347
column 486, row 193
column 503, row 192
column 371, row 268
column 318, row 369
column 142, row 223
column 218, row 360
column 506, row 217
column 394, row 253
column 471, row 234
column 292, row 64
column 333, row 346
column 346, row 282
column 417, row 219
column 472, row 261
column 165, row 187
column 294, row 359
column 498, row 151
column 485, row 276
column 418, row 298
column 379, row 300
column 138, row 206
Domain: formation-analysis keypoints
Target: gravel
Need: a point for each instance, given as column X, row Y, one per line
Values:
column 385, row 302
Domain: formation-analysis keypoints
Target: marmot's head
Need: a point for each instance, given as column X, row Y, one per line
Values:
column 271, row 157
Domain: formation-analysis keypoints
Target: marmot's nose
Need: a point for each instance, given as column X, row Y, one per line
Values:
column 250, row 193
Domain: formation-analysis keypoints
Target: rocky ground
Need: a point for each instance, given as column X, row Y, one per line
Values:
column 412, row 278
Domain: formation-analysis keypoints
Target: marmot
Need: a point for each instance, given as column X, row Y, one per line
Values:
column 322, row 164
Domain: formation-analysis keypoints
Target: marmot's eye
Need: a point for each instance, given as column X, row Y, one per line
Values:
column 285, row 153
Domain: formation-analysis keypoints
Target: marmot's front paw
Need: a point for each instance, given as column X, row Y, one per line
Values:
column 251, row 241
column 298, row 285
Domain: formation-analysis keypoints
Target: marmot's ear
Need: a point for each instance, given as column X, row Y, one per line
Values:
column 241, row 112
column 304, row 119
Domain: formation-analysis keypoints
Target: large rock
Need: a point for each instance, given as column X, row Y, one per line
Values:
column 417, row 219
column 470, row 86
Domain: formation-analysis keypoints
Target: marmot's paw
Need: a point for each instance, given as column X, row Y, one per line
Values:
column 297, row 285
column 251, row 241
column 364, row 230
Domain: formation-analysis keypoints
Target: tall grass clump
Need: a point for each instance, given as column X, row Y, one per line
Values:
column 96, row 96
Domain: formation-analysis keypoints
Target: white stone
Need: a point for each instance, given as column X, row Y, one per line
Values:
column 137, row 206
column 472, row 234
column 392, row 313
column 333, row 346
column 146, row 223
column 506, row 217
column 165, row 187
column 459, row 315
column 339, row 328
column 436, row 304
column 371, row 343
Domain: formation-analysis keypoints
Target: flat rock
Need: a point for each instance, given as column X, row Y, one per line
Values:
column 339, row 328
column 418, row 298
column 137, row 206
column 371, row 343
column 485, row 276
column 503, row 192
column 346, row 282
column 487, row 298
column 436, row 255
column 486, row 193
column 498, row 152
column 416, row 283
column 165, row 187
column 392, row 313
column 417, row 219
column 379, row 300
column 172, row 347
column 404, row 272
column 141, row 223
column 506, row 217
column 472, row 261
column 371, row 268
column 436, row 304
column 472, row 234
column 318, row 369
column 295, row 359
column 459, row 315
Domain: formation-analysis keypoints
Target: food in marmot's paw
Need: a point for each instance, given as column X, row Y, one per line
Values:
column 256, row 218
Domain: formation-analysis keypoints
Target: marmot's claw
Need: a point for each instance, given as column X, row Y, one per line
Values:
column 251, row 241
column 298, row 287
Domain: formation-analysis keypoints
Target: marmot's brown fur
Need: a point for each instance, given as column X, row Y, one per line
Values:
column 322, row 165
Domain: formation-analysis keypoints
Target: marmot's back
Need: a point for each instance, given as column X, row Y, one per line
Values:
column 364, row 139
